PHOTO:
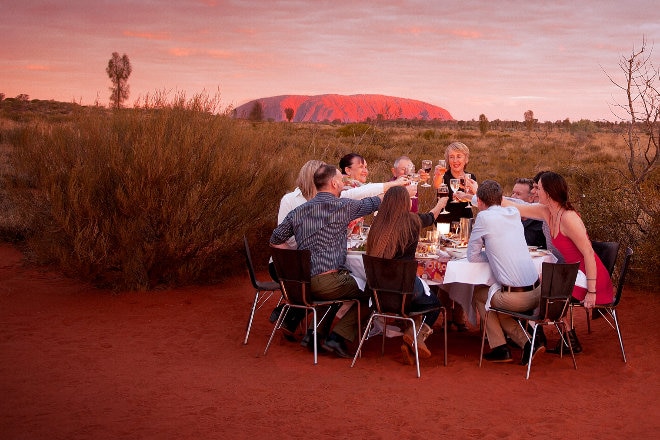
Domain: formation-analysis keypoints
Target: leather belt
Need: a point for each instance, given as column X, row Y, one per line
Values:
column 536, row 284
column 328, row 272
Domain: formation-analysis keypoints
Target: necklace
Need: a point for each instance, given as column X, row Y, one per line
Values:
column 554, row 220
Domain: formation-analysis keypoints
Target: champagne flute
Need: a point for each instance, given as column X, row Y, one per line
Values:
column 443, row 191
column 454, row 184
column 414, row 180
column 426, row 166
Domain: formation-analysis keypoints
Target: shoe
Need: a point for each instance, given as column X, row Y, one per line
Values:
column 499, row 354
column 408, row 355
column 308, row 342
column 461, row 327
column 538, row 348
column 540, row 334
column 424, row 332
column 289, row 331
column 575, row 343
column 335, row 344
column 275, row 313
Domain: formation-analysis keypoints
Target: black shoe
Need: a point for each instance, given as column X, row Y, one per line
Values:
column 275, row 313
column 538, row 348
column 308, row 342
column 499, row 354
column 289, row 330
column 575, row 343
column 540, row 334
column 335, row 344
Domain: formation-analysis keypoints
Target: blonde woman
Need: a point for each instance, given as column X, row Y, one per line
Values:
column 457, row 156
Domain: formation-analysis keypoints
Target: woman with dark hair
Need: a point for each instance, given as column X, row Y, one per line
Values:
column 394, row 234
column 569, row 236
column 354, row 169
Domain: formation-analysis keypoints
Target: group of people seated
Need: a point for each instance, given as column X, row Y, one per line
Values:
column 317, row 215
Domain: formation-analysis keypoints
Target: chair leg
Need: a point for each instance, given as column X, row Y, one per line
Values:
column 362, row 339
column 531, row 354
column 566, row 340
column 249, row 324
column 412, row 321
column 483, row 338
column 277, row 325
column 444, row 312
column 315, row 335
column 618, row 332
column 586, row 311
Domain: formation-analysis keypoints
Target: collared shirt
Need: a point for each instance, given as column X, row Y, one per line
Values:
column 320, row 226
column 500, row 230
column 292, row 200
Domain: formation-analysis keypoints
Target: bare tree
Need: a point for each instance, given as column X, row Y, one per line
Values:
column 642, row 89
column 118, row 70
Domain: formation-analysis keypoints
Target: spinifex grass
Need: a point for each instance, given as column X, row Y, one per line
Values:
column 164, row 193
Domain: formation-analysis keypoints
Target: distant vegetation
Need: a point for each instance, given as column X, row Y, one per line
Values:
column 162, row 194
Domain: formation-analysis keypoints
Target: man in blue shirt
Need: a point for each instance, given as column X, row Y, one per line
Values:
column 500, row 231
column 320, row 225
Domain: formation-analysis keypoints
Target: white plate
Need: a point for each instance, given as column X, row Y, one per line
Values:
column 354, row 252
column 540, row 253
column 426, row 257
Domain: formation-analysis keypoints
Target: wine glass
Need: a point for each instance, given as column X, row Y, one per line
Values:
column 443, row 191
column 414, row 180
column 467, row 190
column 440, row 170
column 426, row 166
column 455, row 226
column 454, row 184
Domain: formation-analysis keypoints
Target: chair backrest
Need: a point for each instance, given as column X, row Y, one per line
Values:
column 293, row 268
column 391, row 281
column 248, row 262
column 622, row 276
column 557, row 282
column 607, row 251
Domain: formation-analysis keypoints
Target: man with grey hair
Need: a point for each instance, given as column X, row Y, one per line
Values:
column 499, row 232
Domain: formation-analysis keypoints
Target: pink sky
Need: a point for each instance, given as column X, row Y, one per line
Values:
column 496, row 57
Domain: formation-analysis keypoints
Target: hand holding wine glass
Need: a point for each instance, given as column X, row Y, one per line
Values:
column 426, row 166
column 455, row 185
column 443, row 191
column 440, row 170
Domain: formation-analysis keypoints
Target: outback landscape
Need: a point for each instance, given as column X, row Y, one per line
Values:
column 125, row 295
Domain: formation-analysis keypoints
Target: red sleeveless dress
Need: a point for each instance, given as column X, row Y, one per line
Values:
column 604, row 291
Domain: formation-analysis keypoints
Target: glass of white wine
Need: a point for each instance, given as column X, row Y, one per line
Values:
column 454, row 184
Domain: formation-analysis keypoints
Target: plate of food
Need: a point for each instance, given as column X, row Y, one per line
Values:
column 456, row 253
column 423, row 256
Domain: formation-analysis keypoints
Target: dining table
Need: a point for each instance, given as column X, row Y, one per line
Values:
column 456, row 276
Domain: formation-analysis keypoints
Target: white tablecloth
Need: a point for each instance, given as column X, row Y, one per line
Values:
column 459, row 281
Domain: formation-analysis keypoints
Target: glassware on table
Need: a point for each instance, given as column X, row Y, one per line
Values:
column 414, row 180
column 426, row 166
column 443, row 191
column 455, row 226
column 364, row 231
column 454, row 184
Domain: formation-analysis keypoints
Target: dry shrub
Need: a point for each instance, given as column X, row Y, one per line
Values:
column 163, row 193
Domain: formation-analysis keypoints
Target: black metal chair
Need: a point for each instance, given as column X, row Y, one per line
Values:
column 607, row 252
column 557, row 281
column 268, row 288
column 391, row 283
column 293, row 268
column 606, row 310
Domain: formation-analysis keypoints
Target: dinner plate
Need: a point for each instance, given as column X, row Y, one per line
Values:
column 354, row 252
column 538, row 253
column 426, row 257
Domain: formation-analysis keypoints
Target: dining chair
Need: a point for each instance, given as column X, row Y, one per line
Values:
column 264, row 290
column 606, row 310
column 293, row 268
column 607, row 252
column 391, row 283
column 557, row 281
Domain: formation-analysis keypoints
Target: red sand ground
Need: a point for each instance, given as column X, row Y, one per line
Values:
column 81, row 363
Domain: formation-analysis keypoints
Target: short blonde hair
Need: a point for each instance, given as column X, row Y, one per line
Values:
column 459, row 147
column 305, row 180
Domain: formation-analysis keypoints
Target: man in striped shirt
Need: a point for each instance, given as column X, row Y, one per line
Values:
column 320, row 225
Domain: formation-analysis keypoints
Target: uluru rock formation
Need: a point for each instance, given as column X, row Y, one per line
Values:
column 343, row 108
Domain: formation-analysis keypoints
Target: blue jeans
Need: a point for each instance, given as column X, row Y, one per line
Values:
column 421, row 300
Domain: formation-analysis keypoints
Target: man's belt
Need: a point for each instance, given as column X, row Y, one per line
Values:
column 536, row 284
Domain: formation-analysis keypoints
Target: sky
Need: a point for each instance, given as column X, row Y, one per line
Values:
column 494, row 57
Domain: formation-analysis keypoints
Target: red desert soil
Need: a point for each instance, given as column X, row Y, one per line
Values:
column 81, row 363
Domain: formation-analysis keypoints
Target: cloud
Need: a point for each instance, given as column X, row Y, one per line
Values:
column 148, row 35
